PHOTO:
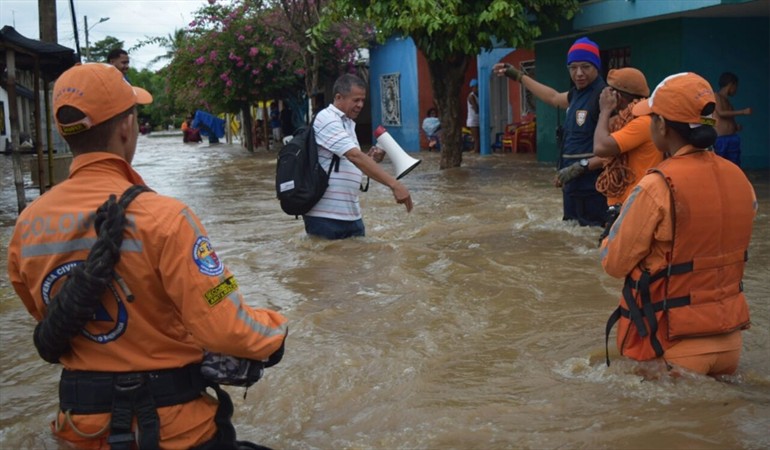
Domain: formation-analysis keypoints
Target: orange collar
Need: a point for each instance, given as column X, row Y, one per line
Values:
column 104, row 164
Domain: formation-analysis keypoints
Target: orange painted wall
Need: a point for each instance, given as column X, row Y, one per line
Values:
column 426, row 91
column 514, row 89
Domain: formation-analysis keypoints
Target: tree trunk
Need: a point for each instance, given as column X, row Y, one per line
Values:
column 246, row 127
column 447, row 78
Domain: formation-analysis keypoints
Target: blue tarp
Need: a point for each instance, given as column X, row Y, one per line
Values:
column 209, row 124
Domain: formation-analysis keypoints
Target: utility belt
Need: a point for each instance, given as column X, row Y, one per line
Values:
column 90, row 392
column 127, row 396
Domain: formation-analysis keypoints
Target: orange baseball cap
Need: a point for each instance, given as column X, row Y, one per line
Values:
column 99, row 91
column 680, row 98
column 628, row 79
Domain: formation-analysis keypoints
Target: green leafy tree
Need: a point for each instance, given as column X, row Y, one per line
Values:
column 163, row 111
column 172, row 43
column 324, row 40
column 451, row 32
column 100, row 49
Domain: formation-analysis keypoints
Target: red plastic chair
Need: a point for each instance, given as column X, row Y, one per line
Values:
column 526, row 138
column 508, row 138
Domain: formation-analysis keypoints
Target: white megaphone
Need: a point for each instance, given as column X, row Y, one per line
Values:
column 401, row 160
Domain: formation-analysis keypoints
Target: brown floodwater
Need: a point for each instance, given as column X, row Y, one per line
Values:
column 474, row 322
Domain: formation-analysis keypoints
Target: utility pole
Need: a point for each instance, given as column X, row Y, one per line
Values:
column 88, row 47
column 47, row 20
column 85, row 26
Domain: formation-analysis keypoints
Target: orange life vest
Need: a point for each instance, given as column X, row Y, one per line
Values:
column 700, row 292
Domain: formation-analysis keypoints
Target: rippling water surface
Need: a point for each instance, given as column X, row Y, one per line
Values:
column 475, row 322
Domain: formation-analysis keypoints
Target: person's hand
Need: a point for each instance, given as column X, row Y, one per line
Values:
column 402, row 196
column 608, row 100
column 376, row 153
column 569, row 173
column 747, row 112
column 508, row 70
column 499, row 69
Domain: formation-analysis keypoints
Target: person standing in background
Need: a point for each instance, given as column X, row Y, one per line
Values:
column 275, row 124
column 577, row 173
column 287, row 123
column 472, row 121
column 431, row 126
column 119, row 58
column 728, row 144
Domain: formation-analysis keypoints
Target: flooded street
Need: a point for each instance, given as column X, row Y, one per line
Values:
column 474, row 322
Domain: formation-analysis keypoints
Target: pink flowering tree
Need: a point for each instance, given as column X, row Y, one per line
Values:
column 229, row 62
column 247, row 51
column 326, row 41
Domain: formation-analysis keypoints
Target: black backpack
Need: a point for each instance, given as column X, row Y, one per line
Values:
column 300, row 180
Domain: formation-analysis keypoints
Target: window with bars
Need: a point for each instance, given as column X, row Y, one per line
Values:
column 615, row 58
column 527, row 98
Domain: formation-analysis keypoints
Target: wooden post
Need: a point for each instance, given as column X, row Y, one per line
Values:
column 228, row 130
column 49, row 130
column 13, row 115
column 48, row 33
column 38, row 129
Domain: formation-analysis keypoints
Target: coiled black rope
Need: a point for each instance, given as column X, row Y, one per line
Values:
column 76, row 302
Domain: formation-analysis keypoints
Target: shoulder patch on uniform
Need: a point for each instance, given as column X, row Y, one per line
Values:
column 206, row 259
column 220, row 291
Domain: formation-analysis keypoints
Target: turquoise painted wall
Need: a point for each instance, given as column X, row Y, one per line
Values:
column 551, row 62
column 608, row 12
column 398, row 55
column 741, row 46
column 705, row 46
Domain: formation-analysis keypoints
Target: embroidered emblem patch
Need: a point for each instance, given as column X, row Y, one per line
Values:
column 580, row 116
column 207, row 260
column 220, row 291
column 109, row 321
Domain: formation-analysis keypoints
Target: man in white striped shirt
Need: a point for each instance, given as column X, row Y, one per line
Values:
column 338, row 214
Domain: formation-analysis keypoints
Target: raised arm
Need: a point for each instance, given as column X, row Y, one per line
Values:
column 604, row 144
column 545, row 93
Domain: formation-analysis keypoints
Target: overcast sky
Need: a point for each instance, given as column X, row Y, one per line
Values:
column 129, row 20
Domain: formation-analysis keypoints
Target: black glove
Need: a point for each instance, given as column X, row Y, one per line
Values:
column 230, row 370
column 570, row 172
column 277, row 356
column 514, row 73
column 610, row 217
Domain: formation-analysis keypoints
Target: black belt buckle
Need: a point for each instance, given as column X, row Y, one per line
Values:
column 130, row 382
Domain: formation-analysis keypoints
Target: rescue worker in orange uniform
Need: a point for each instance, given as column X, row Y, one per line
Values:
column 148, row 289
column 681, row 241
column 623, row 134
column 622, row 141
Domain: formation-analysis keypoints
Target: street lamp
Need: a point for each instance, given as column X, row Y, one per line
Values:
column 85, row 26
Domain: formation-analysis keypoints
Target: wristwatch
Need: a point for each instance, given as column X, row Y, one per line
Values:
column 583, row 163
